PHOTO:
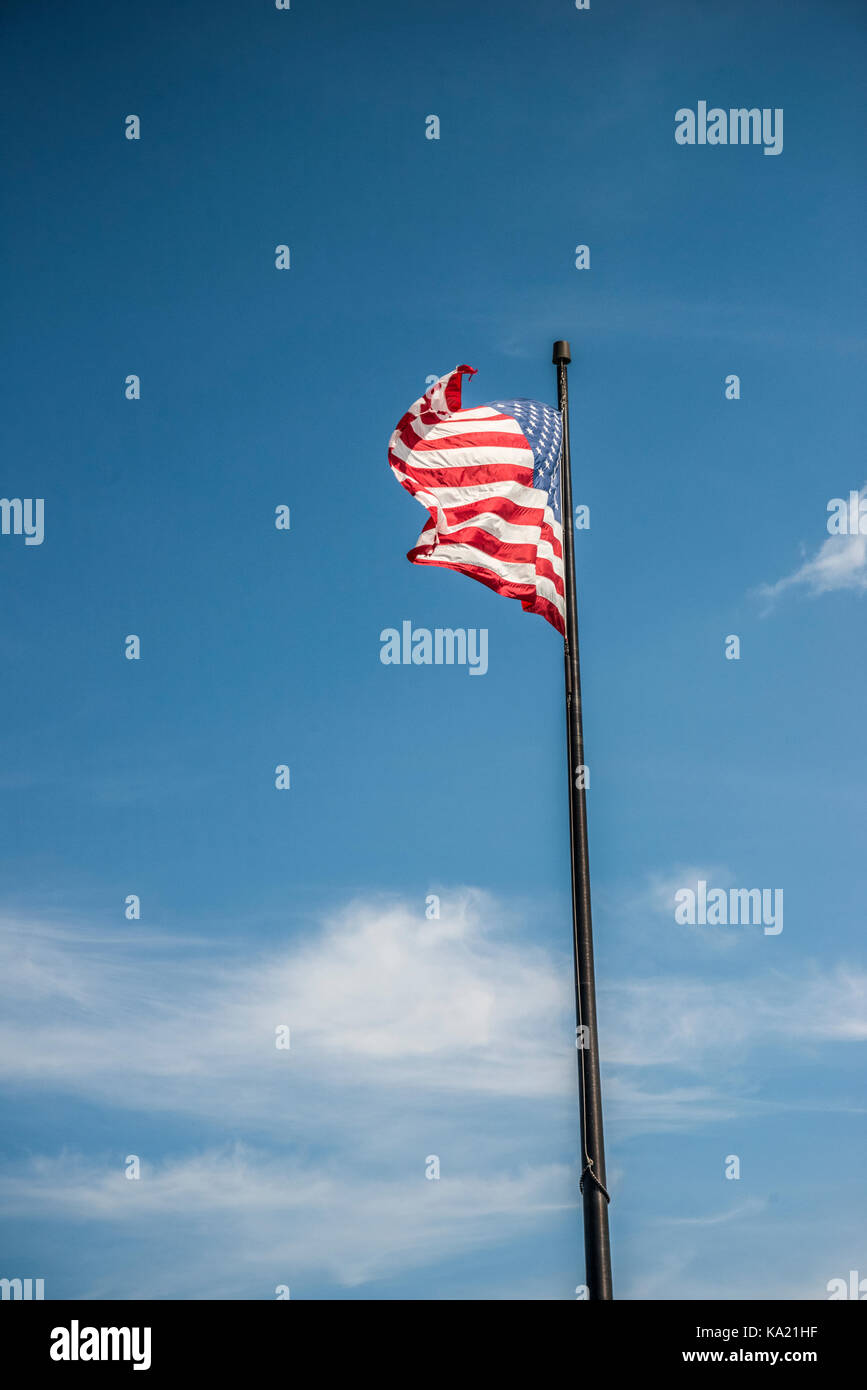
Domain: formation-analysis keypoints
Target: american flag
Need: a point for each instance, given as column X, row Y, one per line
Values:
column 490, row 479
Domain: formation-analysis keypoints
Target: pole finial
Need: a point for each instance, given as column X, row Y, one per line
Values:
column 561, row 352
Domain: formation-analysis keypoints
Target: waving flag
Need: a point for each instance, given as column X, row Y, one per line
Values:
column 490, row 479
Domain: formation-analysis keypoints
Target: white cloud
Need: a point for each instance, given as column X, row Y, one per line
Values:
column 379, row 995
column 693, row 1024
column 839, row 563
column 240, row 1213
column 382, row 1000
column 750, row 1207
column 409, row 1037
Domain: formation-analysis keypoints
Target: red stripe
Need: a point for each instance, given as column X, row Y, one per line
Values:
column 531, row 602
column 516, row 516
column 546, row 533
column 493, row 581
column 454, row 386
column 452, row 393
column 492, row 439
column 473, row 476
column 509, row 511
column 416, row 479
column 513, row 552
column 546, row 609
column 467, row 439
column 509, row 553
column 495, row 506
column 545, row 570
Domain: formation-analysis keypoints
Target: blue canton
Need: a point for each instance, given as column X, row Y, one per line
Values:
column 543, row 430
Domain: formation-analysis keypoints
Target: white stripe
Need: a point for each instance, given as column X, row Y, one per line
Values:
column 513, row 571
column 481, row 419
column 437, row 393
column 482, row 412
column 509, row 490
column 545, row 589
column 498, row 527
column 473, row 456
column 489, row 423
column 546, row 552
column 505, row 531
column 516, row 493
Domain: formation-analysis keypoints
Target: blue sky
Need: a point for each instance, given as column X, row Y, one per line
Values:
column 262, row 387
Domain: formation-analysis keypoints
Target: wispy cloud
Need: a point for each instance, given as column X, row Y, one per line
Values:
column 240, row 1210
column 839, row 563
column 409, row 1037
column 379, row 997
column 750, row 1207
column 689, row 1022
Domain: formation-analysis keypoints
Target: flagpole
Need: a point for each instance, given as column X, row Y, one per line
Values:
column 597, row 1252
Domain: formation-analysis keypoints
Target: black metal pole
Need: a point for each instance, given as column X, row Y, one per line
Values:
column 597, row 1251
